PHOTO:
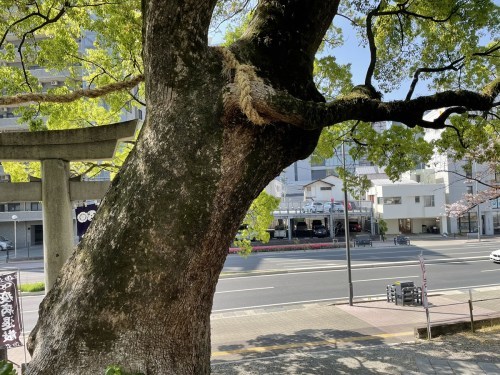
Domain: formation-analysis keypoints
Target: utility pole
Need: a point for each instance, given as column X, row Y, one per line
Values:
column 346, row 228
column 478, row 206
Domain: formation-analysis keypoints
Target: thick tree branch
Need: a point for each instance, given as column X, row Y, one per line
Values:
column 371, row 43
column 278, row 106
column 165, row 30
column 282, row 39
column 402, row 10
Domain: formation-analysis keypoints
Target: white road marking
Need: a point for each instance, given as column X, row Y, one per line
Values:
column 385, row 278
column 244, row 290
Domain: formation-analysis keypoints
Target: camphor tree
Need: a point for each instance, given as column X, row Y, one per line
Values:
column 221, row 123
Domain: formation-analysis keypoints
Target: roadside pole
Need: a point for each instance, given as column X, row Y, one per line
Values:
column 346, row 229
column 424, row 295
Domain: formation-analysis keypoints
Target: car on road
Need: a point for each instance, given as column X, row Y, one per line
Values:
column 5, row 244
column 313, row 207
column 495, row 256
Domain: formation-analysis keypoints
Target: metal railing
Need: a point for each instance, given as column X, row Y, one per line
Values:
column 474, row 313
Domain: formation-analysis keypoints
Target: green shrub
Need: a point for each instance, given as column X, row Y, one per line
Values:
column 6, row 368
column 32, row 287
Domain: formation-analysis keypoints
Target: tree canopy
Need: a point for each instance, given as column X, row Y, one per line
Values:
column 223, row 121
column 414, row 46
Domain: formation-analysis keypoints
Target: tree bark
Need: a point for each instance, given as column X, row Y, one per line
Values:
column 138, row 291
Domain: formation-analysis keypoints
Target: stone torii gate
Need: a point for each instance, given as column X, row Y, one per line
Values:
column 55, row 149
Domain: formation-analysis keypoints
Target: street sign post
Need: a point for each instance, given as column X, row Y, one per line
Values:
column 424, row 294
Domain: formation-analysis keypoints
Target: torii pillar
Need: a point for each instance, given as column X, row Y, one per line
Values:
column 55, row 149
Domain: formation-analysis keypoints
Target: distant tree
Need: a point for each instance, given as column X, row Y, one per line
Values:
column 382, row 227
column 221, row 123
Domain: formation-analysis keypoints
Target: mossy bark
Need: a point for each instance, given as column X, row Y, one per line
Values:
column 138, row 291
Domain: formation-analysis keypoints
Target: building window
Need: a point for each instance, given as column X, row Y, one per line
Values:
column 308, row 188
column 13, row 207
column 417, row 199
column 469, row 190
column 325, row 188
column 318, row 174
column 428, row 200
column 2, row 207
column 389, row 200
column 417, row 178
column 36, row 206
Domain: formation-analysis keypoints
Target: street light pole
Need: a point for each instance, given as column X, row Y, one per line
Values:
column 14, row 217
column 346, row 228
column 478, row 206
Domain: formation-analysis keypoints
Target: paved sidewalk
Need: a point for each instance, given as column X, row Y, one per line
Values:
column 370, row 337
column 374, row 337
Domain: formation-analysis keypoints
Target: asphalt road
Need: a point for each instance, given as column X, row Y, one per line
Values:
column 308, row 279
column 325, row 285
column 385, row 252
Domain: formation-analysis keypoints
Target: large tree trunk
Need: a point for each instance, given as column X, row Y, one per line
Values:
column 138, row 292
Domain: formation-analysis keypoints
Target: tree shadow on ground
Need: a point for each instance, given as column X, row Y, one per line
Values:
column 460, row 351
column 304, row 352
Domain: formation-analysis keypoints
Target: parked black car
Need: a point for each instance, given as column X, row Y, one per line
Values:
column 320, row 231
column 301, row 229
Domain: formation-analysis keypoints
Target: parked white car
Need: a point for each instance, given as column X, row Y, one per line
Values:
column 495, row 256
column 313, row 207
column 333, row 207
column 5, row 244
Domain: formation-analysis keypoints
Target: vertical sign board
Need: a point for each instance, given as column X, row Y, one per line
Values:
column 424, row 294
column 9, row 311
column 424, row 281
column 84, row 216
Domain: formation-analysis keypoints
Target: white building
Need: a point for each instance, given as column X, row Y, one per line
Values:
column 408, row 206
column 328, row 189
column 275, row 188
